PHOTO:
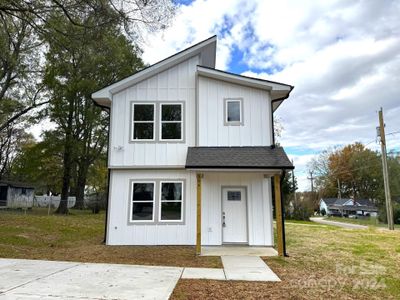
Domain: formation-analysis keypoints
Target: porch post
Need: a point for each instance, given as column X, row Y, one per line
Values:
column 279, row 215
column 199, row 176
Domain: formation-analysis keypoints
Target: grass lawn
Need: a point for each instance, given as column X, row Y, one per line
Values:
column 324, row 262
column 79, row 237
column 372, row 221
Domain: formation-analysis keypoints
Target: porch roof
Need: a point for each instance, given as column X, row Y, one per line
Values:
column 259, row 157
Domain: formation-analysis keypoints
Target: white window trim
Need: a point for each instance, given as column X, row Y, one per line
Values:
column 133, row 122
column 139, row 201
column 228, row 100
column 161, row 122
column 161, row 201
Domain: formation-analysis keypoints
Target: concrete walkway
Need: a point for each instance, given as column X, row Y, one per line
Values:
column 39, row 279
column 339, row 224
column 246, row 268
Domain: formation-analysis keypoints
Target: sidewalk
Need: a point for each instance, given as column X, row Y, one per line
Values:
column 39, row 279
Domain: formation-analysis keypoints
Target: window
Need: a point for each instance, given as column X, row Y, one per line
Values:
column 171, row 122
column 23, row 191
column 142, row 208
column 234, row 196
column 233, row 112
column 171, row 201
column 143, row 116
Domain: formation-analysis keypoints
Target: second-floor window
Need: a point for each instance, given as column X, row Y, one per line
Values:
column 233, row 111
column 143, row 121
column 171, row 121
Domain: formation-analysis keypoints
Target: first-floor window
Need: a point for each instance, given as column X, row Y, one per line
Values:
column 171, row 198
column 142, row 201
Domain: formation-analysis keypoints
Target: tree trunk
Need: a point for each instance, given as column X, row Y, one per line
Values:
column 67, row 162
column 80, row 186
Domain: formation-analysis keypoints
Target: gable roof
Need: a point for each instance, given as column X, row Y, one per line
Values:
column 206, row 49
column 279, row 91
column 340, row 202
column 259, row 157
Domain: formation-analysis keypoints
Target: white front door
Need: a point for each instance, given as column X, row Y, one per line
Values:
column 234, row 215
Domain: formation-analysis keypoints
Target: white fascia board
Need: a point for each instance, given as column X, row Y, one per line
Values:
column 277, row 90
column 107, row 92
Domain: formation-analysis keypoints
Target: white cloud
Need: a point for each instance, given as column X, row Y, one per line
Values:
column 342, row 56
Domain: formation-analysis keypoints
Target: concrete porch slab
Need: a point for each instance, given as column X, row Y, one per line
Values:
column 203, row 273
column 237, row 251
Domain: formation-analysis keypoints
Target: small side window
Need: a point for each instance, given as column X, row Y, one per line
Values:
column 233, row 112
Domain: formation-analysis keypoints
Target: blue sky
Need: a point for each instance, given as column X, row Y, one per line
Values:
column 343, row 57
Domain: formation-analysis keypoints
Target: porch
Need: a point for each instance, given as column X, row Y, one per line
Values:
column 241, row 215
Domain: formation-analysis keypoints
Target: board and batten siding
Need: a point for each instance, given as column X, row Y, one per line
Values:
column 259, row 209
column 121, row 232
column 256, row 129
column 259, row 206
column 176, row 84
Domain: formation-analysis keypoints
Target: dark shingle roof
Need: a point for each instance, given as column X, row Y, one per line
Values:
column 16, row 184
column 238, row 158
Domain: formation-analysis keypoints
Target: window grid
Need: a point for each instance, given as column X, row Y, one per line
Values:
column 142, row 201
column 170, row 201
column 171, row 122
column 143, row 122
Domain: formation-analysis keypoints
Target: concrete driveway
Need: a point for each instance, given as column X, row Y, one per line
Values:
column 339, row 224
column 35, row 279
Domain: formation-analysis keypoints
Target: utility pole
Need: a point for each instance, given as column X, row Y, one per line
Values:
column 389, row 210
column 339, row 190
column 312, row 181
column 294, row 185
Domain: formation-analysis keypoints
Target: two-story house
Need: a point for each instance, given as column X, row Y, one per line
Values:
column 192, row 154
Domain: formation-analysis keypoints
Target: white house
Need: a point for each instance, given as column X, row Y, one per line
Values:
column 347, row 206
column 192, row 154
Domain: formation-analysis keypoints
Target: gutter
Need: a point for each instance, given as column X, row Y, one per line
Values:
column 108, row 110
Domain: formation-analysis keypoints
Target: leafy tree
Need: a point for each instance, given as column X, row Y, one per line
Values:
column 101, row 57
column 358, row 171
column 40, row 163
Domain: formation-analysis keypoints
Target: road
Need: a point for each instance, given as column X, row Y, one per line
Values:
column 321, row 220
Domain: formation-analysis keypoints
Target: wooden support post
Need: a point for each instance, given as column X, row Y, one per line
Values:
column 279, row 215
column 198, row 224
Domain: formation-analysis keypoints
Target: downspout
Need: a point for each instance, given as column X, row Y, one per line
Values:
column 108, row 110
column 272, row 114
column 283, row 212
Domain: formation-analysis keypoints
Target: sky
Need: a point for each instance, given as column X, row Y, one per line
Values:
column 343, row 57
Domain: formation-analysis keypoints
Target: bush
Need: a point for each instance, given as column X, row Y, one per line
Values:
column 323, row 212
column 396, row 214
column 302, row 210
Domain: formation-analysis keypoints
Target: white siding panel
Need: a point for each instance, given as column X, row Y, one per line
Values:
column 258, row 201
column 258, row 207
column 174, row 84
column 256, row 130
column 120, row 232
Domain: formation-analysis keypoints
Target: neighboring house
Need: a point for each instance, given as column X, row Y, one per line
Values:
column 347, row 207
column 16, row 195
column 192, row 154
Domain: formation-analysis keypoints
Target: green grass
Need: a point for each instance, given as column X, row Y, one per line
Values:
column 79, row 237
